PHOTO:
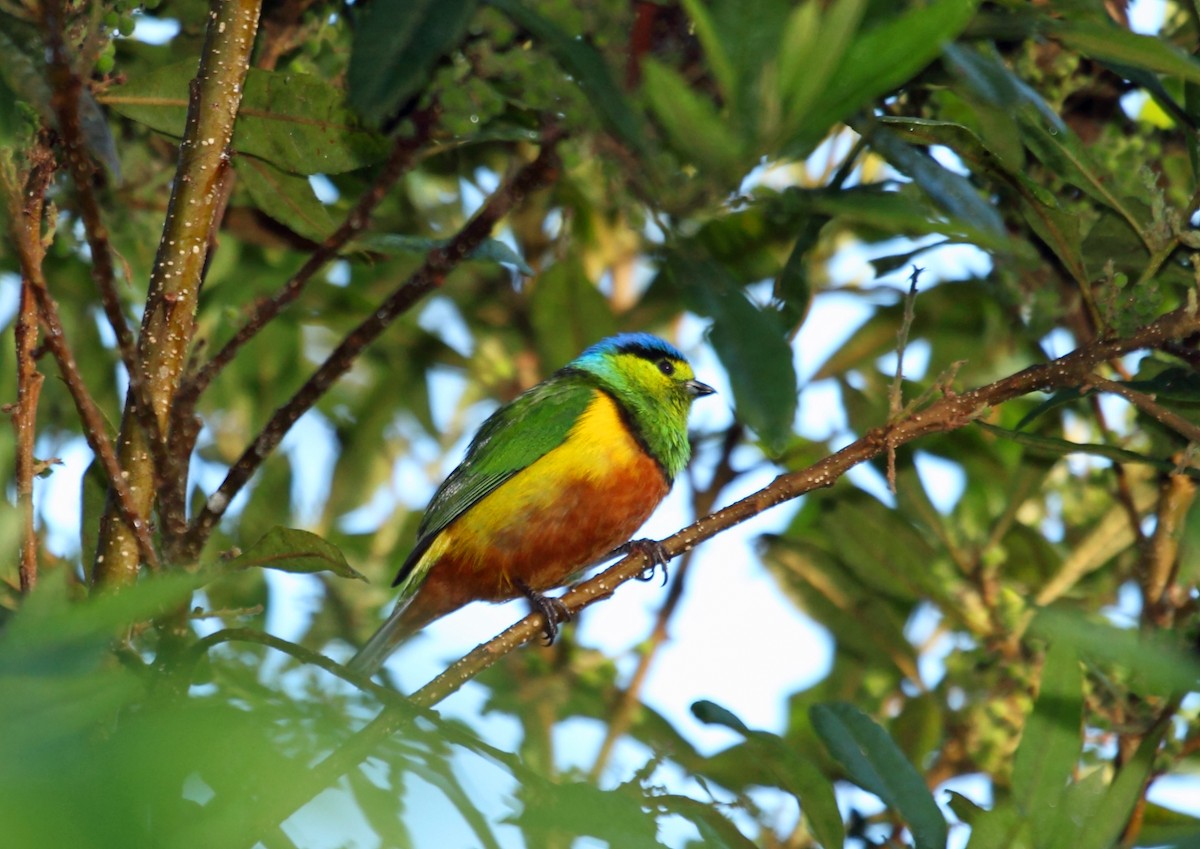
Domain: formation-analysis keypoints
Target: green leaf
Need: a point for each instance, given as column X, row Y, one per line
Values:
column 796, row 774
column 396, row 45
column 1113, row 44
column 873, row 762
column 585, row 64
column 952, row 192
column 750, row 343
column 568, row 312
column 1042, row 130
column 490, row 250
column 287, row 198
column 293, row 550
column 811, row 50
column 1153, row 664
column 708, row 33
column 885, row 57
column 692, row 123
column 1051, row 741
column 296, row 122
column 1104, row 829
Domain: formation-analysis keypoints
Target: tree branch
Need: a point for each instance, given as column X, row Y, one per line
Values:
column 167, row 324
column 438, row 263
column 947, row 413
column 24, row 418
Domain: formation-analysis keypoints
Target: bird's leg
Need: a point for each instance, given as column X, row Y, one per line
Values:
column 553, row 611
column 654, row 551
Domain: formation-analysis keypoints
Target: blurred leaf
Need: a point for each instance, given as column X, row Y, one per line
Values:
column 873, row 762
column 293, row 550
column 490, row 250
column 1152, row 663
column 296, row 122
column 1113, row 813
column 692, row 123
column 795, row 773
column 568, row 312
column 751, row 346
column 952, row 192
column 287, row 198
column 1109, row 42
column 396, row 45
column 588, row 69
column 1050, row 742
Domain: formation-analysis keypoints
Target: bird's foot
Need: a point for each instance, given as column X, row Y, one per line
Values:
column 554, row 612
column 655, row 552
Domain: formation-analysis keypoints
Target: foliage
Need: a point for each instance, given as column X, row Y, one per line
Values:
column 424, row 208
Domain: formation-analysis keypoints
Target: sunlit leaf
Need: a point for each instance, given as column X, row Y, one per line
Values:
column 294, row 550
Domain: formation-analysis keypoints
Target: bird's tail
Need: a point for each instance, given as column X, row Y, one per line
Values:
column 383, row 642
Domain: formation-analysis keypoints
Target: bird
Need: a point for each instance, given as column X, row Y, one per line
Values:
column 554, row 481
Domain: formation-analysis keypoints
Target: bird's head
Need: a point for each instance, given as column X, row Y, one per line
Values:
column 642, row 370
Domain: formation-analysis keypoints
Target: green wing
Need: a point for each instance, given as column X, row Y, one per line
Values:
column 515, row 436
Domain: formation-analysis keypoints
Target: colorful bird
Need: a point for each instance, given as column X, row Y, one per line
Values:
column 554, row 480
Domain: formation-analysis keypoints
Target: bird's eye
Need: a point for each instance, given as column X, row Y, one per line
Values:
column 666, row 367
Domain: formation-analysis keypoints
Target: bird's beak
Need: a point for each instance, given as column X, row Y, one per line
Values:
column 695, row 388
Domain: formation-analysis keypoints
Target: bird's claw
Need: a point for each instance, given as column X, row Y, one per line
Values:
column 554, row 612
column 655, row 552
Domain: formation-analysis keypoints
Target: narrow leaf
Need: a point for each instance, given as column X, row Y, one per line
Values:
column 796, row 773
column 872, row 761
column 751, row 346
column 490, row 250
column 691, row 121
column 396, row 46
column 1051, row 741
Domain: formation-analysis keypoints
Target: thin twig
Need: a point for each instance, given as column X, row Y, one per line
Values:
column 1147, row 404
column 438, row 263
column 896, row 393
column 95, row 429
column 356, row 221
column 24, row 417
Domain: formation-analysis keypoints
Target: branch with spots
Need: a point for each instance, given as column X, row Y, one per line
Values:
column 168, row 322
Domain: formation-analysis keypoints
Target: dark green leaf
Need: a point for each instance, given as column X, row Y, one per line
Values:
column 292, row 550
column 1054, row 447
column 1111, row 43
column 294, row 121
column 873, row 762
column 396, row 45
column 287, row 198
column 952, row 192
column 751, row 346
column 585, row 64
column 796, row 773
column 885, row 57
